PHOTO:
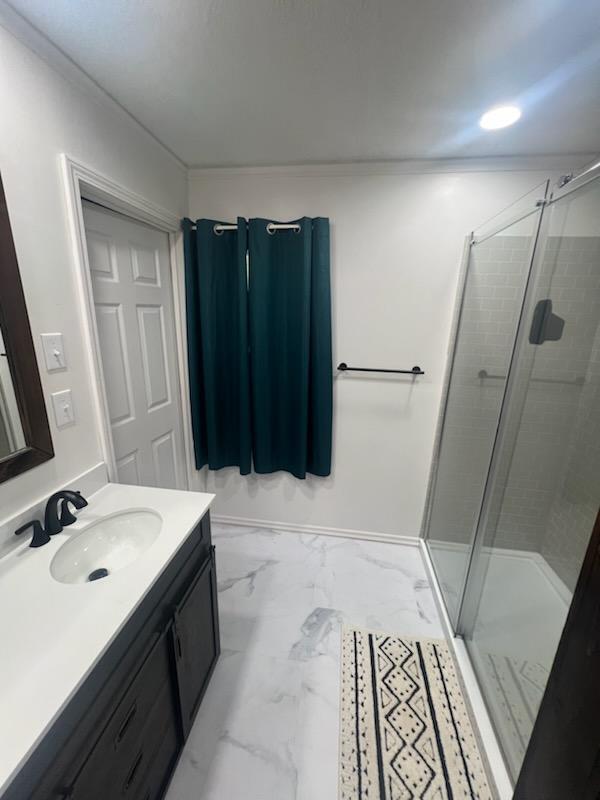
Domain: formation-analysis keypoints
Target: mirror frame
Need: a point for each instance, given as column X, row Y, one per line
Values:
column 22, row 360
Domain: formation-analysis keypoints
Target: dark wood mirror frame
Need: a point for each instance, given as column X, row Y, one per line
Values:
column 18, row 343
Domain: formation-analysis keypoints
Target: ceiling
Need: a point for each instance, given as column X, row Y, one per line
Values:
column 229, row 82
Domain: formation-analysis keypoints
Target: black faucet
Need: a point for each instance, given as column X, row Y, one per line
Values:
column 52, row 523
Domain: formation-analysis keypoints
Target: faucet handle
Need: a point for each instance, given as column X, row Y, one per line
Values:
column 66, row 515
column 39, row 537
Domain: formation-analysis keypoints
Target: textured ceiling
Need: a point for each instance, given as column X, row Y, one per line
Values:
column 223, row 82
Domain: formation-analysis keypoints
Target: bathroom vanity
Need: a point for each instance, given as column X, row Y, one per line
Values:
column 101, row 680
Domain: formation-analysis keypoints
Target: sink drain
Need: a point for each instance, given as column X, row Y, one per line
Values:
column 101, row 572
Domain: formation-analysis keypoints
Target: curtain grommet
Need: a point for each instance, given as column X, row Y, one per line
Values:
column 216, row 231
column 273, row 227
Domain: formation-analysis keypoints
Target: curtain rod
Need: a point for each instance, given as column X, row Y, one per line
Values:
column 220, row 228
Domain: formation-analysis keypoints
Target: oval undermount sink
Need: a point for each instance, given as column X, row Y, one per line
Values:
column 106, row 546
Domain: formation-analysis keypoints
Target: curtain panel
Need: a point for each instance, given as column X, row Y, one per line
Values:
column 290, row 347
column 217, row 334
column 259, row 346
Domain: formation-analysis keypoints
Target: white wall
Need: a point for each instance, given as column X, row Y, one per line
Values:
column 44, row 114
column 398, row 233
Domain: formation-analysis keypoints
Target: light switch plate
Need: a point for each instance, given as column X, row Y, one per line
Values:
column 54, row 351
column 63, row 408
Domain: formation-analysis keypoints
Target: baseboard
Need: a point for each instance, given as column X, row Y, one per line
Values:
column 290, row 527
column 486, row 731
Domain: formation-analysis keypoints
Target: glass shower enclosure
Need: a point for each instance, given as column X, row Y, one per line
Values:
column 515, row 485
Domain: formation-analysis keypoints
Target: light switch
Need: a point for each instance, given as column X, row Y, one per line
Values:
column 54, row 351
column 63, row 408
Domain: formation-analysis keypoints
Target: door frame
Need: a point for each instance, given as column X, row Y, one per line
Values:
column 84, row 182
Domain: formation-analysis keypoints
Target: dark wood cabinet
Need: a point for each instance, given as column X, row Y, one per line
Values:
column 120, row 762
column 121, row 735
column 195, row 641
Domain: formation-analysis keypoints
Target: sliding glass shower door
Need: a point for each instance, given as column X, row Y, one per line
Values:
column 516, row 480
column 496, row 276
column 543, row 498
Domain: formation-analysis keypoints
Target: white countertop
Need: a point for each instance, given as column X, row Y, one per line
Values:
column 52, row 634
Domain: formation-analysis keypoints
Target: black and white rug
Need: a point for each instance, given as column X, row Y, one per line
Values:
column 405, row 730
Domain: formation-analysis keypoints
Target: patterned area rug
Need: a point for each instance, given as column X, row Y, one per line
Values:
column 405, row 730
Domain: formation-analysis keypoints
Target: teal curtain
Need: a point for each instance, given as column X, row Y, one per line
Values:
column 290, row 347
column 217, row 333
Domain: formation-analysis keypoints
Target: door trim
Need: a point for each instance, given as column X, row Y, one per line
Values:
column 82, row 181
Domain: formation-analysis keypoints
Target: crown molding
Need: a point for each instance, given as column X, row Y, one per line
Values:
column 550, row 163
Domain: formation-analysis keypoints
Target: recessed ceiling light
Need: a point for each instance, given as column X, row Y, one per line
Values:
column 499, row 117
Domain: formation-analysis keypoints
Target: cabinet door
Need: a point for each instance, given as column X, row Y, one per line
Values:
column 196, row 640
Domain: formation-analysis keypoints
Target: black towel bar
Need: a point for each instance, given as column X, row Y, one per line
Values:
column 343, row 367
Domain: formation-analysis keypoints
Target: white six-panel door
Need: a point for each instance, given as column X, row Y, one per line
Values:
column 133, row 299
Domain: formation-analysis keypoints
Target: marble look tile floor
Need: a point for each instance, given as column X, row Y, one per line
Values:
column 268, row 726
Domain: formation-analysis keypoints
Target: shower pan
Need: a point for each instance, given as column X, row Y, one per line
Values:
column 515, row 484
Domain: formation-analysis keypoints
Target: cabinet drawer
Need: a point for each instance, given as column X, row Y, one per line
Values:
column 122, row 755
column 161, row 766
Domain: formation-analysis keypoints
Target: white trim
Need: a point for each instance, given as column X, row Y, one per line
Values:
column 101, row 188
column 83, row 181
column 194, row 479
column 36, row 41
column 485, row 728
column 347, row 533
column 558, row 164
